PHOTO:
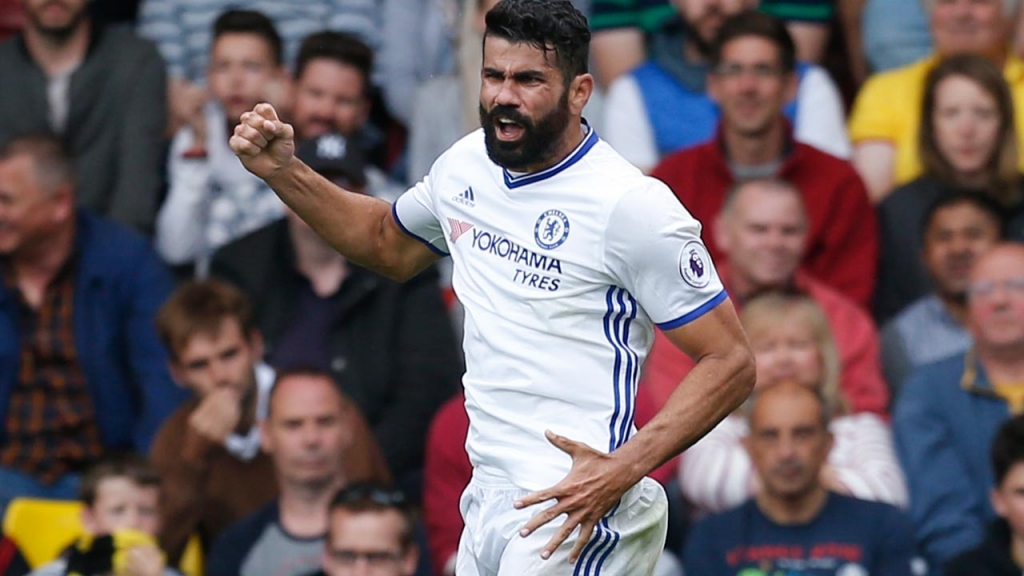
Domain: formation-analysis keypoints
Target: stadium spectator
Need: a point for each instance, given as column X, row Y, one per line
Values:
column 1001, row 552
column 207, row 452
column 121, row 517
column 949, row 411
column 762, row 232
column 370, row 530
column 792, row 342
column 213, row 199
column 672, row 102
column 795, row 523
column 306, row 433
column 754, row 140
column 446, row 473
column 895, row 33
column 12, row 562
column 958, row 229
column 12, row 18
column 967, row 143
column 101, row 89
column 389, row 345
column 886, row 117
column 83, row 371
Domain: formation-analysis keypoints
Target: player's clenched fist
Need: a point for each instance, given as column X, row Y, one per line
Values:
column 263, row 142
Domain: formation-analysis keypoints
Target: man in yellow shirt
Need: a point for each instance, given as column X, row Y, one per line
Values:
column 886, row 116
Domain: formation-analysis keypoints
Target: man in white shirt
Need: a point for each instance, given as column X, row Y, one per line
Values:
column 565, row 258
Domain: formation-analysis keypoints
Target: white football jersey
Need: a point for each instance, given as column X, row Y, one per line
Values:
column 563, row 274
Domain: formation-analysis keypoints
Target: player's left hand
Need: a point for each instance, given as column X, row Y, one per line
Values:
column 593, row 486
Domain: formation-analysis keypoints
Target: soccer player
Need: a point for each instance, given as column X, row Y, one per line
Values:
column 565, row 258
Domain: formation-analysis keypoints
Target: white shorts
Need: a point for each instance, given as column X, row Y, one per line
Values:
column 627, row 542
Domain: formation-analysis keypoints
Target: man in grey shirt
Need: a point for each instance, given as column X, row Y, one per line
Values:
column 103, row 91
column 958, row 228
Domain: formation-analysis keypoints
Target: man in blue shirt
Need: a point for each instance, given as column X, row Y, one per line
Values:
column 794, row 525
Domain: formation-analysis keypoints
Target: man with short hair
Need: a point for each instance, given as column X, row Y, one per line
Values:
column 751, row 81
column 370, row 530
column 208, row 449
column 667, row 104
column 762, row 231
column 794, row 524
column 565, row 258
column 950, row 410
column 82, row 372
column 957, row 230
column 306, row 433
column 102, row 90
column 886, row 117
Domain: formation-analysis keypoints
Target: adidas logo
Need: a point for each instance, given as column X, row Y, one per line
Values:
column 467, row 198
column 458, row 228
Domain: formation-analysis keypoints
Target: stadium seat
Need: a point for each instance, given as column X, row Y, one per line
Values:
column 43, row 528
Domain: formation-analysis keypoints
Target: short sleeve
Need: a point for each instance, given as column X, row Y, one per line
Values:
column 414, row 212
column 872, row 115
column 653, row 248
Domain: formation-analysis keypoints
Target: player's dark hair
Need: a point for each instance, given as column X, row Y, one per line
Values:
column 343, row 48
column 250, row 22
column 983, row 202
column 1008, row 447
column 761, row 25
column 369, row 497
column 549, row 25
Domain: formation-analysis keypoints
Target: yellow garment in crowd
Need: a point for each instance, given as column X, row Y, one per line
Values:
column 888, row 108
column 123, row 541
column 1013, row 393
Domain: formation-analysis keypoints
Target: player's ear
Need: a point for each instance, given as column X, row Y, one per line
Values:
column 580, row 89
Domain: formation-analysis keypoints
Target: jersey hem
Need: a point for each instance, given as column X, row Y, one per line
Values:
column 410, row 233
column 697, row 313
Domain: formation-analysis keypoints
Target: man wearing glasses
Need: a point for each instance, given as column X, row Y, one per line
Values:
column 370, row 531
column 948, row 412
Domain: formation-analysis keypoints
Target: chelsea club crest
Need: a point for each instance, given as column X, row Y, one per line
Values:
column 694, row 264
column 551, row 229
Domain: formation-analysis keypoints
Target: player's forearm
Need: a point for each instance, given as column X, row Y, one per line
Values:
column 715, row 387
column 352, row 223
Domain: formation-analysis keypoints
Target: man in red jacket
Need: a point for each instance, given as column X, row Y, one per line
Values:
column 754, row 140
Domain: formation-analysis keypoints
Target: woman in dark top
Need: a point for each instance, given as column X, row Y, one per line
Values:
column 967, row 142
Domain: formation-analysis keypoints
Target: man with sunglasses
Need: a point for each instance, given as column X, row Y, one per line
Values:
column 948, row 412
column 370, row 530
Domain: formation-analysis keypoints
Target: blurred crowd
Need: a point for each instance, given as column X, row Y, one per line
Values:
column 188, row 360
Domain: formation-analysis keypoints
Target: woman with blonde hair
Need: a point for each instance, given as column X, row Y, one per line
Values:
column 967, row 142
column 792, row 341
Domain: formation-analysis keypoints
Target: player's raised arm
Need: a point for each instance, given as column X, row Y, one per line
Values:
column 359, row 226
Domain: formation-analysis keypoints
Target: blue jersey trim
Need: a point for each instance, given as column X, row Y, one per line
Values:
column 525, row 179
column 700, row 311
column 620, row 314
column 434, row 249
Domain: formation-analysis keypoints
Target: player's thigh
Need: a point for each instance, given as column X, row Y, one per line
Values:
column 627, row 543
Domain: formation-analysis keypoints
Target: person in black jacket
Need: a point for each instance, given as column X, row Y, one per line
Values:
column 1002, row 551
column 391, row 346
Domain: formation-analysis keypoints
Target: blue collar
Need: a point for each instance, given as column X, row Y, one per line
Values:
column 589, row 140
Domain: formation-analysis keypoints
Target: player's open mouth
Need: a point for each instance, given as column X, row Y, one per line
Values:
column 507, row 129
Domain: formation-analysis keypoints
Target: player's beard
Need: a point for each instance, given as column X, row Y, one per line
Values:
column 538, row 143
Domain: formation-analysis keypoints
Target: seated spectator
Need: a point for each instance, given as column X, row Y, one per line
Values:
column 754, row 141
column 306, row 434
column 669, row 103
column 791, row 340
column 967, row 143
column 373, row 526
column 620, row 29
column 958, row 229
column 796, row 524
column 100, row 89
column 121, row 516
column 182, row 29
column 82, row 370
column 333, row 95
column 389, row 345
column 1000, row 553
column 949, row 411
column 213, row 199
column 895, row 33
column 762, row 231
column 446, row 474
column 886, row 118
column 208, row 450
